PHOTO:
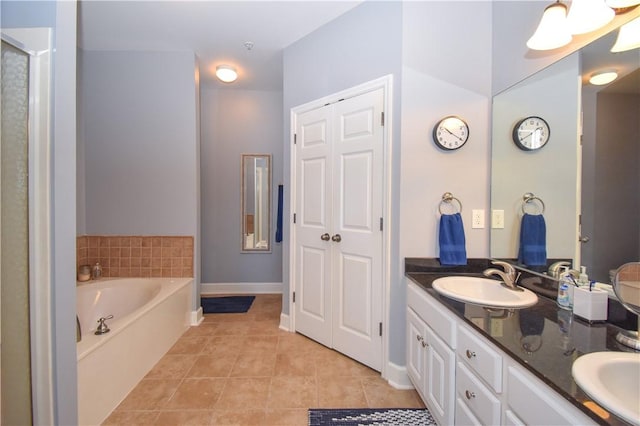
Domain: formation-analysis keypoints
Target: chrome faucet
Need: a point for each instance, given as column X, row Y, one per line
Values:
column 556, row 268
column 508, row 276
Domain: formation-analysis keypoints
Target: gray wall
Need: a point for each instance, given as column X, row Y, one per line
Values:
column 61, row 17
column 236, row 122
column 141, row 142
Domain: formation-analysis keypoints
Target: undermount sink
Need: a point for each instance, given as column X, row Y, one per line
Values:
column 611, row 379
column 484, row 291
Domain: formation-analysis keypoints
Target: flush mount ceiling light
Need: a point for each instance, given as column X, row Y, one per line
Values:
column 621, row 4
column 552, row 32
column 603, row 77
column 226, row 73
column 628, row 37
column 588, row 15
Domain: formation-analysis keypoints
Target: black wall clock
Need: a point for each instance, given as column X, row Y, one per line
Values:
column 531, row 133
column 451, row 133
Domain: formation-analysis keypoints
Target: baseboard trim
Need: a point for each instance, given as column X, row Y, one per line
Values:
column 240, row 288
column 397, row 376
column 285, row 322
column 197, row 317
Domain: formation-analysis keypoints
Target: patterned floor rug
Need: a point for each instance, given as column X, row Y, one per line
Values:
column 371, row 416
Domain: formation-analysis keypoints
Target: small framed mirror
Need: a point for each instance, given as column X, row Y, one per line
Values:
column 256, row 203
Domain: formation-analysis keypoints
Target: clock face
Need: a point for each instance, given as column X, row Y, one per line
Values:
column 531, row 133
column 451, row 133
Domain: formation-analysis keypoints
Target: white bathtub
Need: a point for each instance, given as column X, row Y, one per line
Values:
column 149, row 315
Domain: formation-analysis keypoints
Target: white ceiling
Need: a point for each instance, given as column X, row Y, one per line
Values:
column 215, row 30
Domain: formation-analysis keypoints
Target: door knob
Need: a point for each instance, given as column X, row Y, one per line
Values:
column 325, row 237
column 337, row 238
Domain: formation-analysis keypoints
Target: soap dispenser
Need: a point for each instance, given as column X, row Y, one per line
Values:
column 583, row 278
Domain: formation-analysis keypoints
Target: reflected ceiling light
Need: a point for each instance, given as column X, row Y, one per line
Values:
column 226, row 73
column 603, row 77
column 628, row 37
column 552, row 32
column 620, row 4
column 588, row 15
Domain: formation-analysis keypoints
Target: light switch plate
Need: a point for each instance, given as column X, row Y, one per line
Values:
column 497, row 219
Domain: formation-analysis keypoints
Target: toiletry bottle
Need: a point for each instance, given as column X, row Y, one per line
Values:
column 583, row 278
column 563, row 290
column 567, row 279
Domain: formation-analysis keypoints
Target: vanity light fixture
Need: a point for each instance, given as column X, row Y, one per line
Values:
column 552, row 32
column 601, row 78
column 621, row 4
column 628, row 37
column 588, row 15
column 226, row 73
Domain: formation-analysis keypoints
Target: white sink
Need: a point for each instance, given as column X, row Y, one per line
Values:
column 484, row 291
column 612, row 379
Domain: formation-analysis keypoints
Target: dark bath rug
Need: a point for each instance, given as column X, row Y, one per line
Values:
column 226, row 305
column 371, row 416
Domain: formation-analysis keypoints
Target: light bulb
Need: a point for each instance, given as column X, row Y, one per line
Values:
column 226, row 73
column 552, row 31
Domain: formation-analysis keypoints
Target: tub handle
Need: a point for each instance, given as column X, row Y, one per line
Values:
column 102, row 327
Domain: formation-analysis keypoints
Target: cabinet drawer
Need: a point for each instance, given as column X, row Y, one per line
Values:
column 482, row 359
column 464, row 416
column 433, row 313
column 534, row 403
column 480, row 400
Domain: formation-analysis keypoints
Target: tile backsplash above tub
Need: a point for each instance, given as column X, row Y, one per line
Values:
column 137, row 256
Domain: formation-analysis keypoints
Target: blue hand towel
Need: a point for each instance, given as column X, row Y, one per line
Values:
column 533, row 240
column 279, row 219
column 452, row 242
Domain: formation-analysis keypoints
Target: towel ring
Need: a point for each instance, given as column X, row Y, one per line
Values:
column 530, row 198
column 448, row 197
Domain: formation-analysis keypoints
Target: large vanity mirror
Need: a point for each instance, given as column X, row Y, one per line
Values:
column 586, row 177
column 256, row 203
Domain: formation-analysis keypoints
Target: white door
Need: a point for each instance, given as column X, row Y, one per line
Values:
column 339, row 192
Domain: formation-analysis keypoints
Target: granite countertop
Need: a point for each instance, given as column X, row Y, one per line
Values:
column 543, row 338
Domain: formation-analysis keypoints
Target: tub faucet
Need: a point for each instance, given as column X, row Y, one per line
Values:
column 508, row 276
column 102, row 327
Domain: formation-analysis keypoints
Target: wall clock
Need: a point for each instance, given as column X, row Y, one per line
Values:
column 451, row 133
column 531, row 133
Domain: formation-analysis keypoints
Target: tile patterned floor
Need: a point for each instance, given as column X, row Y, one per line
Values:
column 240, row 369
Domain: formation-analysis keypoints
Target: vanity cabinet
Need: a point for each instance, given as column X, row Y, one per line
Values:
column 430, row 355
column 465, row 379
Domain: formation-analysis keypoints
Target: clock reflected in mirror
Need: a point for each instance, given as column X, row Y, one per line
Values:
column 531, row 133
column 451, row 133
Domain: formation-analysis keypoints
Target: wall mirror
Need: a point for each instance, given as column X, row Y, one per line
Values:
column 587, row 174
column 256, row 203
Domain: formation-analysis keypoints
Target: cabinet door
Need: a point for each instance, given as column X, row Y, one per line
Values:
column 416, row 349
column 440, row 379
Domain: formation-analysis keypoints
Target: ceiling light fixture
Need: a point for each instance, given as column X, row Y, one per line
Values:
column 621, row 4
column 552, row 32
column 226, row 73
column 588, row 15
column 628, row 36
column 603, row 77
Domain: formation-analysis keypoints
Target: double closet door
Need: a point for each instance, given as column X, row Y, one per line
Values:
column 338, row 226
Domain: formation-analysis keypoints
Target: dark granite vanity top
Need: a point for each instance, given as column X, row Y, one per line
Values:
column 543, row 338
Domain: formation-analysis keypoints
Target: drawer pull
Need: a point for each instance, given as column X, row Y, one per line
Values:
column 424, row 344
column 469, row 394
column 419, row 338
column 470, row 354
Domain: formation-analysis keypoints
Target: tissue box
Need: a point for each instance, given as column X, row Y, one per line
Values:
column 590, row 305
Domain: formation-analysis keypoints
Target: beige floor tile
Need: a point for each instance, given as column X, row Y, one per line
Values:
column 260, row 344
column 184, row 418
column 340, row 392
column 213, row 366
column 238, row 417
column 294, row 343
column 332, row 363
column 233, row 328
column 149, row 394
column 172, row 367
column 265, row 327
column 380, row 395
column 189, row 345
column 287, row 417
column 295, row 364
column 131, row 418
column 224, row 345
column 293, row 392
column 204, row 329
column 244, row 393
column 254, row 364
column 225, row 318
column 197, row 394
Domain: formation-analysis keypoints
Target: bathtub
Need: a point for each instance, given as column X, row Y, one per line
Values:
column 149, row 315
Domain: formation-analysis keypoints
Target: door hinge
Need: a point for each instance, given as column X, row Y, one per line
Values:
column 381, row 224
column 294, row 297
column 295, row 138
column 294, row 218
column 380, row 329
column 382, row 118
